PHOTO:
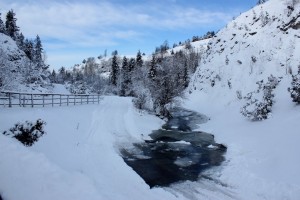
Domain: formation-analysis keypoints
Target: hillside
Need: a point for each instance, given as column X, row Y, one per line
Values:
column 262, row 158
column 261, row 42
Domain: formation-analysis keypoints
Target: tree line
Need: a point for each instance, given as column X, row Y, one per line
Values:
column 155, row 82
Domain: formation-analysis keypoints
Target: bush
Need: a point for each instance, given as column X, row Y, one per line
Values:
column 257, row 110
column 295, row 89
column 27, row 133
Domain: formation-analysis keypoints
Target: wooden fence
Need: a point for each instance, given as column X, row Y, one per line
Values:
column 10, row 99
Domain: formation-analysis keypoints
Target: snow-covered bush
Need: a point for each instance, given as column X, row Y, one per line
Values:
column 78, row 87
column 295, row 89
column 27, row 133
column 259, row 103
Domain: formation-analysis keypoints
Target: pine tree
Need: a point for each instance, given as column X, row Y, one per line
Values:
column 185, row 75
column 152, row 71
column 139, row 59
column 20, row 41
column 114, row 71
column 29, row 49
column 131, row 64
column 2, row 26
column 37, row 54
column 10, row 25
column 61, row 77
column 124, row 76
column 53, row 76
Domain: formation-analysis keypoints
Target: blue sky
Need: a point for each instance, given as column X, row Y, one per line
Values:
column 73, row 30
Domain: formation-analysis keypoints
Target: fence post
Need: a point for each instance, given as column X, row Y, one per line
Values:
column 52, row 100
column 20, row 102
column 81, row 98
column 31, row 100
column 60, row 100
column 98, row 98
column 87, row 98
column 24, row 101
column 75, row 99
column 43, row 100
column 67, row 100
column 9, row 99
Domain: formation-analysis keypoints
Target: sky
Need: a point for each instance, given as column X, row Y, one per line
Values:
column 77, row 29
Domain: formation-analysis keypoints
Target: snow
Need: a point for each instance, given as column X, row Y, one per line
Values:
column 262, row 157
column 78, row 157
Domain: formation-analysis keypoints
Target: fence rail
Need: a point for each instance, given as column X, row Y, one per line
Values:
column 11, row 99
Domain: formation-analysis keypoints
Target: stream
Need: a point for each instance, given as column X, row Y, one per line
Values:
column 175, row 152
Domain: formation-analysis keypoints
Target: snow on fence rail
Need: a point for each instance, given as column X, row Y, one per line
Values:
column 11, row 99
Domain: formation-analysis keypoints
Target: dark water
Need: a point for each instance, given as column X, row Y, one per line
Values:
column 167, row 159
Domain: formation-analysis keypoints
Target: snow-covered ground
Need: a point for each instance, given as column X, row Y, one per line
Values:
column 262, row 160
column 78, row 157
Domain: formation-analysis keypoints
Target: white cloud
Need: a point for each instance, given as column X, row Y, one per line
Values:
column 102, row 24
column 81, row 23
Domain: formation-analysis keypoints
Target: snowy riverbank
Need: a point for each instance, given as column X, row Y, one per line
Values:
column 78, row 158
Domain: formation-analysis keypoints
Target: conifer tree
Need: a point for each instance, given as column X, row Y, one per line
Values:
column 124, row 76
column 2, row 26
column 20, row 41
column 29, row 49
column 114, row 70
column 131, row 64
column 139, row 59
column 185, row 75
column 152, row 70
column 11, row 25
column 38, row 50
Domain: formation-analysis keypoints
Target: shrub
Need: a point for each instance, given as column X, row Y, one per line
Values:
column 27, row 133
column 295, row 89
column 255, row 109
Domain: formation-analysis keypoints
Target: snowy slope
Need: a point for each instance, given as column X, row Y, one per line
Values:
column 258, row 43
column 262, row 157
column 15, row 68
column 197, row 46
column 12, row 61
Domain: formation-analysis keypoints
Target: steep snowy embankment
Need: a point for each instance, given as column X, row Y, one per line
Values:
column 258, row 43
column 262, row 157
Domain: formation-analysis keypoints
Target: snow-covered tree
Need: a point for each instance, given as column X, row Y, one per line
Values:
column 295, row 89
column 11, row 25
column 38, row 53
column 114, row 74
column 259, row 103
column 29, row 49
column 2, row 26
column 124, row 77
column 131, row 64
column 20, row 41
column 152, row 70
column 139, row 59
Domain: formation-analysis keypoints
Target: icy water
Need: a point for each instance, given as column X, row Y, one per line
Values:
column 176, row 152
